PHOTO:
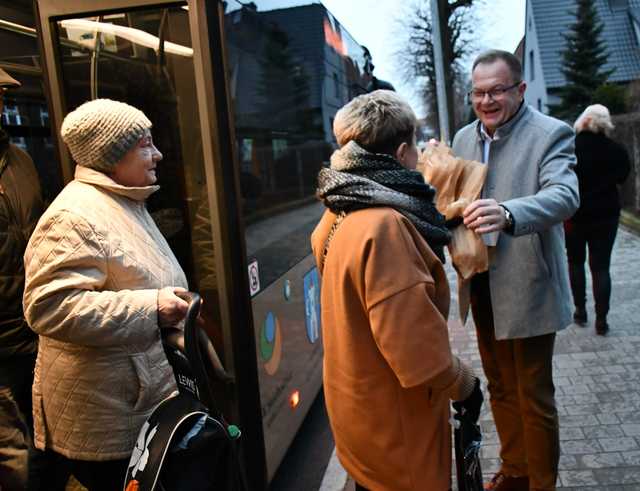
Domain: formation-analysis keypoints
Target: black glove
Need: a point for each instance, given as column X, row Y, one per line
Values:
column 472, row 404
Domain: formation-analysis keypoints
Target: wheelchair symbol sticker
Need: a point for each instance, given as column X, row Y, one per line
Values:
column 254, row 278
column 311, row 283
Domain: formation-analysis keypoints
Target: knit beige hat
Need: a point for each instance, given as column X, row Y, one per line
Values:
column 99, row 132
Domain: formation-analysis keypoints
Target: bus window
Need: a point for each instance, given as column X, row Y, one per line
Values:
column 26, row 115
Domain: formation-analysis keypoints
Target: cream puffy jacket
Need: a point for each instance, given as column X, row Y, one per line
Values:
column 94, row 265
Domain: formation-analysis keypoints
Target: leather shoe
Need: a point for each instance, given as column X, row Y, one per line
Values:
column 602, row 328
column 502, row 482
column 580, row 317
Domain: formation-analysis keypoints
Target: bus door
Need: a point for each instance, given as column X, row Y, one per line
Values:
column 166, row 58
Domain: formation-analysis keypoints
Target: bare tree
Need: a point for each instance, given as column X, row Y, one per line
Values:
column 415, row 54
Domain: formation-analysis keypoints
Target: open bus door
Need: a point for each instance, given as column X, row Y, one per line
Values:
column 242, row 100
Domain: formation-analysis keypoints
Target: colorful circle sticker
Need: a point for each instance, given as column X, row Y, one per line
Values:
column 271, row 343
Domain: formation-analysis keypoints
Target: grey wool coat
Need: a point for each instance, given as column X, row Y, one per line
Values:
column 531, row 163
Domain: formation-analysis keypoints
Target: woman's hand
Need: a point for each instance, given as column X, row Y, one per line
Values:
column 171, row 308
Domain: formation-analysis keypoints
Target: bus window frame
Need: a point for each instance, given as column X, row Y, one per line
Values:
column 206, row 23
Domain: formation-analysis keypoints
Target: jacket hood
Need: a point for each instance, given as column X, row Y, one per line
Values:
column 101, row 180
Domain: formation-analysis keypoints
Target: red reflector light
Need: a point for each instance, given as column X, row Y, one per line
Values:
column 294, row 399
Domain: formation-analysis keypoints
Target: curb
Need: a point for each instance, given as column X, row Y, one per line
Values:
column 335, row 477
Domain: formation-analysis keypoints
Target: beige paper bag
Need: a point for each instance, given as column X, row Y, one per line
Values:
column 458, row 182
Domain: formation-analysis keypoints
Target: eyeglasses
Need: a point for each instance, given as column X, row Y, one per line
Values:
column 495, row 93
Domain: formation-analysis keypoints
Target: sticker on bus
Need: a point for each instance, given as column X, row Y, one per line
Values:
column 254, row 278
column 311, row 283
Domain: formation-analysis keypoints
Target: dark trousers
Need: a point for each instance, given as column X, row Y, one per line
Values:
column 521, row 392
column 22, row 466
column 360, row 488
column 105, row 475
column 599, row 238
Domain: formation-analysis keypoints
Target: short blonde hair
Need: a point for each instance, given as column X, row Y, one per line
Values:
column 379, row 122
column 595, row 118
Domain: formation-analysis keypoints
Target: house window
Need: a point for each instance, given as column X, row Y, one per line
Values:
column 336, row 84
column 539, row 104
column 532, row 72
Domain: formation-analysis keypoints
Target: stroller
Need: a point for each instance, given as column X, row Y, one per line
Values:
column 186, row 444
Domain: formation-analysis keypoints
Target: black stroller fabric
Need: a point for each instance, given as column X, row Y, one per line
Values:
column 185, row 444
column 467, row 441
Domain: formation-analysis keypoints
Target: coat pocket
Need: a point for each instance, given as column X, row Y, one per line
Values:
column 145, row 397
column 536, row 242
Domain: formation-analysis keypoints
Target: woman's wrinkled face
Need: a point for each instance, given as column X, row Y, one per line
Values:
column 138, row 166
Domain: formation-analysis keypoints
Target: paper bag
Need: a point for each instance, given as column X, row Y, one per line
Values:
column 458, row 182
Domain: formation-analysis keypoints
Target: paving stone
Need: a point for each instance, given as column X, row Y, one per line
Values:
column 615, row 369
column 578, row 478
column 586, row 420
column 582, row 408
column 586, row 399
column 631, row 429
column 568, row 462
column 490, row 451
column 571, row 433
column 601, row 460
column 618, row 444
column 604, row 397
column 618, row 475
column 606, row 419
column 605, row 431
column 632, row 458
column 574, row 447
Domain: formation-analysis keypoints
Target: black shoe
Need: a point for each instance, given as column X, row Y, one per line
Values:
column 602, row 328
column 580, row 316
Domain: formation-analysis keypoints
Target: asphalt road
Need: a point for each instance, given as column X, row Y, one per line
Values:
column 304, row 464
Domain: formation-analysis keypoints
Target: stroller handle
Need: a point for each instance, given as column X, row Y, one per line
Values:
column 202, row 344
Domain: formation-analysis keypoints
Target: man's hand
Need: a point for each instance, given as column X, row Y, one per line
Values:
column 484, row 216
column 171, row 308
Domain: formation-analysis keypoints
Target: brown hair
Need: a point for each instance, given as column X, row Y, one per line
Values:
column 492, row 55
column 379, row 122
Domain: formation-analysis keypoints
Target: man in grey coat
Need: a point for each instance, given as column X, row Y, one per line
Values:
column 524, row 298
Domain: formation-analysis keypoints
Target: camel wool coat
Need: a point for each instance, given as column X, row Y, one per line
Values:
column 388, row 368
column 94, row 265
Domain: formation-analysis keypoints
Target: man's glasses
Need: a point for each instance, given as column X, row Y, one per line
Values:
column 495, row 93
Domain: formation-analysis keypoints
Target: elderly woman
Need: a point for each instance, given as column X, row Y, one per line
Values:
column 100, row 283
column 602, row 165
column 389, row 373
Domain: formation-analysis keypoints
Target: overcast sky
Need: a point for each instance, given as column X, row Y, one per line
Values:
column 374, row 23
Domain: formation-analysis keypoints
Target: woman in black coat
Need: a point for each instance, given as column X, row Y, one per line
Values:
column 602, row 165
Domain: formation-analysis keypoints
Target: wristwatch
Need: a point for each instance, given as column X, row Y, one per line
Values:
column 509, row 218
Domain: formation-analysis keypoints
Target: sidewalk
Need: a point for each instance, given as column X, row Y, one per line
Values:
column 597, row 389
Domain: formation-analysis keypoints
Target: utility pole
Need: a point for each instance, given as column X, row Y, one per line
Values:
column 441, row 88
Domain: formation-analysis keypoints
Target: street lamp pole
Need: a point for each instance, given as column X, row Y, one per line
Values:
column 441, row 88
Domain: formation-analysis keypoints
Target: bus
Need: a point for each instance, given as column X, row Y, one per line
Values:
column 242, row 97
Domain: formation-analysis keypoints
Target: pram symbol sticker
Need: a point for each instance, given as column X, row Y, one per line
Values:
column 271, row 343
column 311, row 284
column 140, row 454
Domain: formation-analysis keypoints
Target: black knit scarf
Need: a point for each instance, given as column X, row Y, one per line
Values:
column 360, row 179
